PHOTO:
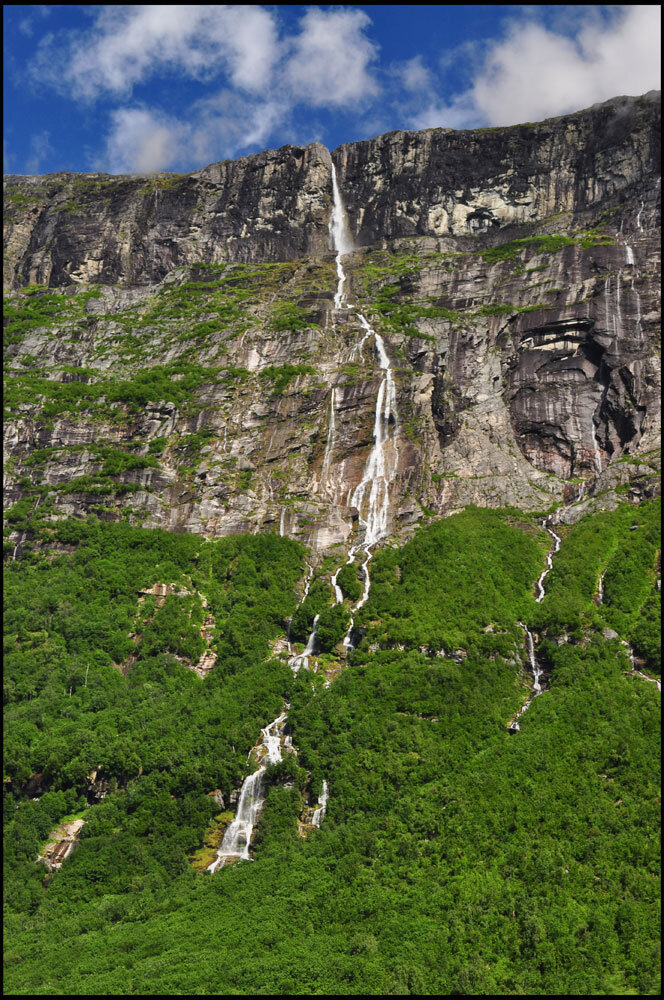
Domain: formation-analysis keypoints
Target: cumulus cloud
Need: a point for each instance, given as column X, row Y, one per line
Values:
column 263, row 79
column 329, row 60
column 128, row 44
column 325, row 62
column 536, row 72
column 141, row 141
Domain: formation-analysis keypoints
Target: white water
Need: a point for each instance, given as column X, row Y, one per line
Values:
column 341, row 238
column 319, row 813
column 372, row 494
column 600, row 588
column 536, row 672
column 237, row 837
column 644, row 677
column 638, row 218
column 16, row 547
column 549, row 558
column 303, row 659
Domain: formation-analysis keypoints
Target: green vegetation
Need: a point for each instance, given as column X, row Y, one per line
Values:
column 623, row 545
column 281, row 376
column 454, row 858
column 347, row 580
column 287, row 316
column 418, row 607
column 545, row 244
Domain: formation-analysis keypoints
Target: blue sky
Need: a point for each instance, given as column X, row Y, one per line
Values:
column 126, row 88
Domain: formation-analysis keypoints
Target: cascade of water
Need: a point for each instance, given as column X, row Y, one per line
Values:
column 371, row 495
column 282, row 521
column 341, row 238
column 303, row 659
column 639, row 326
column 600, row 588
column 18, row 543
column 536, row 672
column 549, row 558
column 319, row 813
column 638, row 218
column 237, row 837
column 630, row 255
column 644, row 677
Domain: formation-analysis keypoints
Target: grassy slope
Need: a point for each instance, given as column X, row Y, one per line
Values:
column 453, row 857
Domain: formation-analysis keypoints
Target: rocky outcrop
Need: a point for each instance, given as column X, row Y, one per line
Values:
column 521, row 321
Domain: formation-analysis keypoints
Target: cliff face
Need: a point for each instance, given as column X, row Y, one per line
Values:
column 179, row 368
column 65, row 229
column 441, row 182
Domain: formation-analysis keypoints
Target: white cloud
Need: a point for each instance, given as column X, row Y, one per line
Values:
column 130, row 43
column 413, row 75
column 141, row 141
column 325, row 62
column 535, row 72
column 329, row 64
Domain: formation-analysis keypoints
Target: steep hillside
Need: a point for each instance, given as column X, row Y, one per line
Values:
column 332, row 543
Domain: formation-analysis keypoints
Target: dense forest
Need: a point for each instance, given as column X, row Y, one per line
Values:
column 455, row 857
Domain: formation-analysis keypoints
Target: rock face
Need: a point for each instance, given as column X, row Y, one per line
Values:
column 73, row 229
column 441, row 182
column 185, row 366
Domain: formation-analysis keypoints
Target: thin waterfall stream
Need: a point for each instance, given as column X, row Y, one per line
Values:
column 371, row 495
column 237, row 837
column 549, row 558
column 535, row 668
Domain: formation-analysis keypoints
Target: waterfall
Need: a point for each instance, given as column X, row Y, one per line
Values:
column 18, row 543
column 371, row 495
column 600, row 588
column 282, row 521
column 630, row 255
column 638, row 218
column 536, row 672
column 534, row 666
column 319, row 813
column 237, row 837
column 549, row 558
column 303, row 659
column 612, row 310
column 341, row 238
column 639, row 314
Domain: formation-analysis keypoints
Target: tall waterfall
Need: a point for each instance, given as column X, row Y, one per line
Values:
column 530, row 642
column 237, row 837
column 372, row 494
